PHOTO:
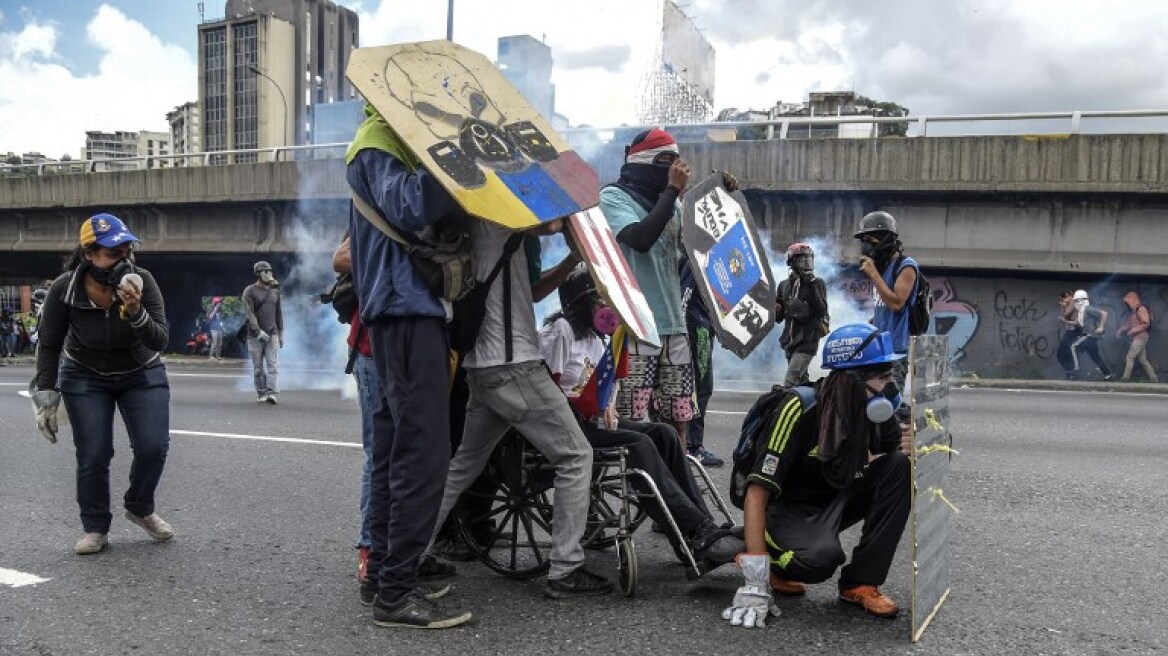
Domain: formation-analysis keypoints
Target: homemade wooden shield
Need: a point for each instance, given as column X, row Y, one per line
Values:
column 932, row 451
column 728, row 261
column 475, row 132
column 610, row 271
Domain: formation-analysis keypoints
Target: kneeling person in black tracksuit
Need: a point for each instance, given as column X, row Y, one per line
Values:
column 817, row 471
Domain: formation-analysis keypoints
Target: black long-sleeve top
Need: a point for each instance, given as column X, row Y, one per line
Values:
column 94, row 337
column 802, row 307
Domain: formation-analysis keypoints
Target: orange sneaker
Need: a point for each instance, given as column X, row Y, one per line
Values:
column 787, row 588
column 872, row 600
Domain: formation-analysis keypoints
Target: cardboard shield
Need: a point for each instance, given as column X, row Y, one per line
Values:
column 474, row 131
column 611, row 274
column 729, row 263
column 932, row 451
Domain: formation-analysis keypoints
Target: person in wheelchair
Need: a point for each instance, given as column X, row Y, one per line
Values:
column 819, row 468
column 573, row 349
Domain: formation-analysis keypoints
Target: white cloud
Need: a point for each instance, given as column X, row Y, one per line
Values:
column 47, row 108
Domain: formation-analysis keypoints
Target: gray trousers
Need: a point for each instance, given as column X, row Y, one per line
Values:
column 264, row 356
column 797, row 364
column 1138, row 352
column 524, row 396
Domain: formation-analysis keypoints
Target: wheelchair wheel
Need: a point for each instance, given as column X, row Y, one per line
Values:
column 604, row 515
column 506, row 517
column 626, row 555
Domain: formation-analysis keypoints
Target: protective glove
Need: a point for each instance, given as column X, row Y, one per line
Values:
column 263, row 337
column 44, row 408
column 752, row 602
column 730, row 182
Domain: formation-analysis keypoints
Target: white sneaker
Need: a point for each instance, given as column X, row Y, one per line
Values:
column 271, row 398
column 152, row 524
column 262, row 398
column 90, row 543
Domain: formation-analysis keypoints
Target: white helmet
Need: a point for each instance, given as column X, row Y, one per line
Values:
column 1080, row 295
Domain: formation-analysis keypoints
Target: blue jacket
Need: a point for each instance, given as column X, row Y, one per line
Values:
column 387, row 284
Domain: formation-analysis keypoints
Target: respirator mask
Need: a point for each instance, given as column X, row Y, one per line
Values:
column 605, row 320
column 882, row 407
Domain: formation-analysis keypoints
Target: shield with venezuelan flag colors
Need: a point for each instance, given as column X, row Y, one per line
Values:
column 610, row 271
column 475, row 132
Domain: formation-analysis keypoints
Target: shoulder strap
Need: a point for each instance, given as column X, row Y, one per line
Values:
column 806, row 394
column 509, row 249
column 373, row 215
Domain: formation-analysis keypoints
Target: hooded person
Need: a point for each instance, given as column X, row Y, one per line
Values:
column 1092, row 322
column 643, row 211
column 1136, row 326
column 825, row 467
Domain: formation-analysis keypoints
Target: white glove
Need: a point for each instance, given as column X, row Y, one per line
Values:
column 752, row 602
column 263, row 337
column 44, row 408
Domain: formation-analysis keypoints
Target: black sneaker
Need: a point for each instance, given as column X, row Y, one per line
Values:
column 414, row 611
column 579, row 583
column 430, row 591
column 432, row 569
column 456, row 549
column 706, row 457
column 715, row 545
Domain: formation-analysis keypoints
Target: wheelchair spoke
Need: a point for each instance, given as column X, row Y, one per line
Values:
column 482, row 517
column 531, row 537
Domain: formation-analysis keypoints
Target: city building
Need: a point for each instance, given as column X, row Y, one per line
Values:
column 123, row 144
column 265, row 65
column 337, row 122
column 527, row 63
column 185, row 134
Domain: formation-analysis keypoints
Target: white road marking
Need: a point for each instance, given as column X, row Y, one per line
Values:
column 15, row 384
column 266, row 438
column 725, row 412
column 15, row 578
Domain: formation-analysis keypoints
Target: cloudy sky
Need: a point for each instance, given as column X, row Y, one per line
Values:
column 67, row 66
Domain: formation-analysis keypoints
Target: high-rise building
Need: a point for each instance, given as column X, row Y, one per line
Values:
column 122, row 144
column 265, row 65
column 184, row 130
column 527, row 63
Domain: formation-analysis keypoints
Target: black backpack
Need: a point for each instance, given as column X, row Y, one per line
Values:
column 471, row 308
column 760, row 419
column 920, row 304
column 343, row 298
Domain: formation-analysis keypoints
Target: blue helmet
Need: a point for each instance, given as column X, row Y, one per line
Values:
column 858, row 345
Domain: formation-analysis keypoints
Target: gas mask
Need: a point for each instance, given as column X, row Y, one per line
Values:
column 268, row 279
column 804, row 264
column 605, row 320
column 878, row 251
column 882, row 407
column 110, row 276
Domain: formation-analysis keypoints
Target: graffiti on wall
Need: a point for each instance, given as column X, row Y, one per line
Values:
column 953, row 317
column 1020, row 325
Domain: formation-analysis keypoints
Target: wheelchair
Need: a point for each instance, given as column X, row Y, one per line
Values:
column 506, row 517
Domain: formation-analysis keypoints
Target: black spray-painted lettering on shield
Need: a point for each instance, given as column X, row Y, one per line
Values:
column 733, row 275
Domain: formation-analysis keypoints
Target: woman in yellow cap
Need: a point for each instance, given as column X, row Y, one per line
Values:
column 102, row 328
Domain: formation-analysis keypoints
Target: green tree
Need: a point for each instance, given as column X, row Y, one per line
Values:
column 885, row 109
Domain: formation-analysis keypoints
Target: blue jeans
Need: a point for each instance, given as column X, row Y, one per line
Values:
column 143, row 398
column 368, row 391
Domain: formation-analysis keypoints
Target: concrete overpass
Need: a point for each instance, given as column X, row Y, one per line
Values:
column 1001, row 223
column 1065, row 204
